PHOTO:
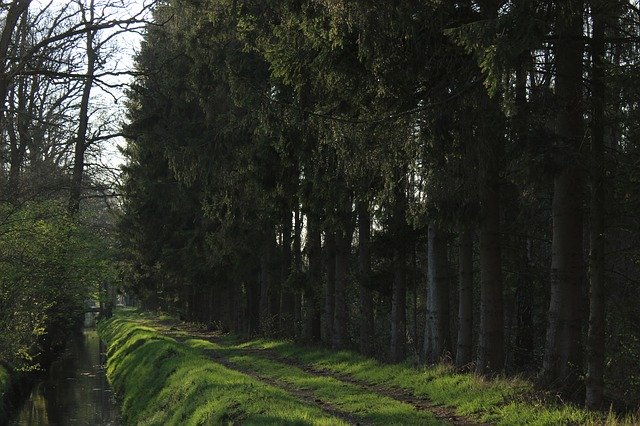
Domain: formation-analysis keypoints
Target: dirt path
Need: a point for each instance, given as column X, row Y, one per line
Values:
column 442, row 413
column 302, row 394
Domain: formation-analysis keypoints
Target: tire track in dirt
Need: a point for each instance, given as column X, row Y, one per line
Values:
column 442, row 413
column 302, row 394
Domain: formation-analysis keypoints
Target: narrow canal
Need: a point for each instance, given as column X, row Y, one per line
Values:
column 75, row 390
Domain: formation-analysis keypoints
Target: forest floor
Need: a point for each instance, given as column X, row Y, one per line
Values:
column 323, row 386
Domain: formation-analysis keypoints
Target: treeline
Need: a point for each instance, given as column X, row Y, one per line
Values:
column 443, row 181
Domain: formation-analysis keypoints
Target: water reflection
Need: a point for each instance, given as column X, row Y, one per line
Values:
column 75, row 390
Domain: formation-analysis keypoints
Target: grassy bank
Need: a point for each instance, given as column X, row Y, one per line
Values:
column 363, row 405
column 507, row 401
column 502, row 400
column 163, row 382
column 205, row 378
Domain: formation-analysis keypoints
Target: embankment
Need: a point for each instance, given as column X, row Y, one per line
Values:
column 163, row 382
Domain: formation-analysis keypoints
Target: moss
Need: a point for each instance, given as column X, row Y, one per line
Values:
column 163, row 382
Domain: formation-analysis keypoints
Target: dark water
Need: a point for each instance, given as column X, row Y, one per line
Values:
column 75, row 390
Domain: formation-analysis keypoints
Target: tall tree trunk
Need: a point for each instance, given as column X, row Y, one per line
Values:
column 287, row 300
column 399, row 295
column 464, row 352
column 596, row 333
column 81, row 142
column 563, row 350
column 313, row 290
column 343, row 252
column 523, row 353
column 16, row 9
column 491, row 340
column 437, row 334
column 253, row 303
column 297, row 264
column 364, row 263
column 329, row 287
column 266, row 282
column 523, row 356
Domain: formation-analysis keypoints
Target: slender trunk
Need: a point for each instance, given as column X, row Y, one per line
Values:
column 437, row 332
column 464, row 352
column 523, row 352
column 266, row 280
column 297, row 264
column 81, row 143
column 313, row 290
column 343, row 252
column 399, row 294
column 14, row 158
column 490, row 356
column 399, row 307
column 287, row 301
column 253, row 304
column 329, row 287
column 563, row 353
column 16, row 9
column 523, row 356
column 366, row 296
column 596, row 333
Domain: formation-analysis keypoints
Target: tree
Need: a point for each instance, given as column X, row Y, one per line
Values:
column 563, row 348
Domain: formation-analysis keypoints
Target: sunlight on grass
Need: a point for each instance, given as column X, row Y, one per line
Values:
column 163, row 382
column 372, row 408
column 501, row 400
column 504, row 401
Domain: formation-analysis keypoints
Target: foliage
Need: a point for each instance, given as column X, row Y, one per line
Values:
column 248, row 114
column 49, row 266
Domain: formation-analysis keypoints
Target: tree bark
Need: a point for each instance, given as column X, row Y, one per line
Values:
column 329, row 288
column 343, row 252
column 437, row 333
column 266, row 319
column 399, row 294
column 16, row 9
column 464, row 352
column 366, row 295
column 490, row 357
column 287, row 301
column 83, row 119
column 596, row 333
column 297, row 265
column 313, row 291
column 563, row 351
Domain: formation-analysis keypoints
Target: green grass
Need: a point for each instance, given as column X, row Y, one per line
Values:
column 501, row 401
column 163, row 382
column 369, row 407
column 506, row 401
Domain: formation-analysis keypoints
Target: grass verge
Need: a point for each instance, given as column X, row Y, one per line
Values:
column 502, row 400
column 163, row 382
column 366, row 406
